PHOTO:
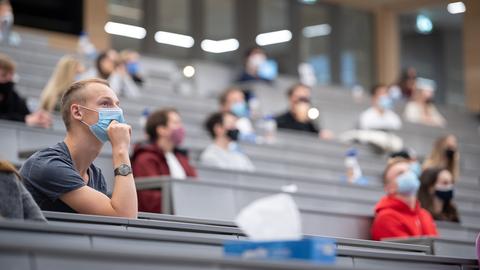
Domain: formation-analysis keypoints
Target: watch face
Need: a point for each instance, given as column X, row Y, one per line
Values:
column 124, row 170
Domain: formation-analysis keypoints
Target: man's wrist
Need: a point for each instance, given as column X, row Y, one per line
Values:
column 120, row 149
column 120, row 155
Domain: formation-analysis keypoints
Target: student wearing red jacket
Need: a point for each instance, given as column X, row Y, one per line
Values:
column 399, row 214
column 160, row 155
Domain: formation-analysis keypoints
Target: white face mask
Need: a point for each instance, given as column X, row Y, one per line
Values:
column 256, row 60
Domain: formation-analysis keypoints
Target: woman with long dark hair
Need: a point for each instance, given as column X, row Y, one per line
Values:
column 436, row 194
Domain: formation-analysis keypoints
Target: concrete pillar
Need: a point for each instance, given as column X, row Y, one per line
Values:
column 246, row 22
column 295, row 27
column 387, row 46
column 150, row 22
column 95, row 16
column 335, row 48
column 471, row 54
column 197, row 25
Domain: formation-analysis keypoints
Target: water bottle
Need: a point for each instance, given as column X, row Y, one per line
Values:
column 354, row 172
column 254, row 107
column 143, row 118
column 358, row 93
column 269, row 129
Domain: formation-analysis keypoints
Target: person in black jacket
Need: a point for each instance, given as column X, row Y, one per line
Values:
column 12, row 106
column 296, row 118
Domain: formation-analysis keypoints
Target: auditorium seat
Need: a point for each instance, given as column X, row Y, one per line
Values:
column 37, row 238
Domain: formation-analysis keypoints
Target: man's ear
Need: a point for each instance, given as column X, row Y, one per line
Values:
column 76, row 112
column 390, row 187
column 10, row 76
column 218, row 129
column 161, row 131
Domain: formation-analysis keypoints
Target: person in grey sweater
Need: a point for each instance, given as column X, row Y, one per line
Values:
column 15, row 201
column 224, row 152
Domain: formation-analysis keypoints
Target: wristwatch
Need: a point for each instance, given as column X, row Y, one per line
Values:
column 123, row 170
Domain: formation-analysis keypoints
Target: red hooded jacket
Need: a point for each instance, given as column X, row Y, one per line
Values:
column 393, row 218
column 149, row 160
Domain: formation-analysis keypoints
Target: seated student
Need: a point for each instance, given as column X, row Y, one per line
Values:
column 399, row 213
column 411, row 156
column 436, row 194
column 380, row 115
column 407, row 82
column 131, row 61
column 296, row 118
column 445, row 154
column 12, row 106
column 62, row 177
column 420, row 109
column 161, row 155
column 108, row 66
column 223, row 152
column 254, row 59
column 7, row 36
column 15, row 201
column 376, row 124
column 233, row 100
column 66, row 72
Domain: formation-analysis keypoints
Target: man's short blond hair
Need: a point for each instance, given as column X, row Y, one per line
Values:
column 74, row 95
column 392, row 162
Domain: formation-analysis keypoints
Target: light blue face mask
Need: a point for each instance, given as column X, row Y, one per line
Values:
column 268, row 70
column 385, row 103
column 408, row 183
column 105, row 117
column 240, row 109
column 133, row 68
column 416, row 168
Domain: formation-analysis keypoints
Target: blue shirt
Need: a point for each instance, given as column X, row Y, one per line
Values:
column 50, row 173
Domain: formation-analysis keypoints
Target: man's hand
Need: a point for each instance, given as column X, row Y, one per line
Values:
column 39, row 118
column 326, row 134
column 119, row 135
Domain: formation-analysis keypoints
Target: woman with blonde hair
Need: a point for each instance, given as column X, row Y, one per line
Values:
column 421, row 109
column 445, row 155
column 65, row 73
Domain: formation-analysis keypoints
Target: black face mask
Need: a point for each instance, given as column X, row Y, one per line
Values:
column 233, row 134
column 450, row 153
column 6, row 87
column 445, row 195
